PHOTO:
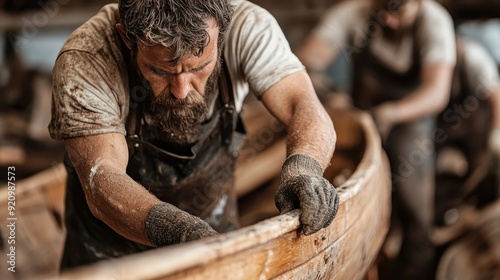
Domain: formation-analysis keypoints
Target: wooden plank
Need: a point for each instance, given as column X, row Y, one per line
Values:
column 38, row 237
column 258, row 205
column 260, row 169
column 53, row 177
column 350, row 133
column 55, row 16
column 264, row 152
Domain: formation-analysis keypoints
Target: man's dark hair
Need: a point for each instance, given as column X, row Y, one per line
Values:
column 179, row 25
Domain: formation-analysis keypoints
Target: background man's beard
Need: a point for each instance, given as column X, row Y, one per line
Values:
column 181, row 119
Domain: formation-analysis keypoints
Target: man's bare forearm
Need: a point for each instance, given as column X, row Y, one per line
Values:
column 310, row 129
column 312, row 133
column 120, row 202
column 430, row 98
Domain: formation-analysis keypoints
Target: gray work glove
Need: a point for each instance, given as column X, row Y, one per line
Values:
column 167, row 225
column 303, row 186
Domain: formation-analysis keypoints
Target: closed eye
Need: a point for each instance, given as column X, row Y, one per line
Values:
column 160, row 72
column 198, row 69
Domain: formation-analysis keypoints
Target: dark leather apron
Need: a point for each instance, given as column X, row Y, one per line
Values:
column 198, row 179
column 392, row 86
column 477, row 123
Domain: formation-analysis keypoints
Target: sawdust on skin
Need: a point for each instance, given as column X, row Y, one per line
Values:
column 117, row 199
column 112, row 196
column 316, row 139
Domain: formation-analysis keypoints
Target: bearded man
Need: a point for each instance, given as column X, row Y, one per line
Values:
column 146, row 98
column 403, row 55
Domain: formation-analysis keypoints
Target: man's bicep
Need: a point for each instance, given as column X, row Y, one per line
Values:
column 439, row 74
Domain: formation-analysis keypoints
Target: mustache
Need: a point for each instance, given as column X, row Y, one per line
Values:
column 168, row 100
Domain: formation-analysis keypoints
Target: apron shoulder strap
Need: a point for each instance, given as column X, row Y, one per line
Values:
column 133, row 123
column 228, row 113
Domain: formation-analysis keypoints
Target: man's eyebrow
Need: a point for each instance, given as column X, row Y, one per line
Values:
column 201, row 66
column 171, row 73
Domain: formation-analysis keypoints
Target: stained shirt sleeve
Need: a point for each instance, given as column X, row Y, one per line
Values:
column 482, row 72
column 87, row 97
column 345, row 25
column 257, row 51
column 437, row 36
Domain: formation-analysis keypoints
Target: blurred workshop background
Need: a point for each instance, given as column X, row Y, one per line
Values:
column 32, row 32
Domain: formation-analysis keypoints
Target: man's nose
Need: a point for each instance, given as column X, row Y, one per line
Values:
column 393, row 22
column 180, row 86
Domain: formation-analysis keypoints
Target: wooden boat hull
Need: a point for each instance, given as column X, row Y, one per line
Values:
column 275, row 248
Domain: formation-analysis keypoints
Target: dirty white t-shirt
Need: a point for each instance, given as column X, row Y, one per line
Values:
column 90, row 81
column 480, row 68
column 346, row 25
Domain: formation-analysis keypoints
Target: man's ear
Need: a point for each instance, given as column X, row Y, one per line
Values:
column 123, row 34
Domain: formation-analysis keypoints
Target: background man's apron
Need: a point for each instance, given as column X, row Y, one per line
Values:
column 198, row 180
column 459, row 123
column 409, row 146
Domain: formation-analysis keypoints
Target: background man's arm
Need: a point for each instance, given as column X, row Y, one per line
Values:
column 317, row 55
column 430, row 98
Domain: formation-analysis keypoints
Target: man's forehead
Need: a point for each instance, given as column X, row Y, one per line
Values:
column 165, row 53
column 159, row 51
column 160, row 57
column 391, row 5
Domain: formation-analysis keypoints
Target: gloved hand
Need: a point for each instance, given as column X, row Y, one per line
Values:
column 494, row 142
column 303, row 186
column 167, row 225
column 385, row 117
